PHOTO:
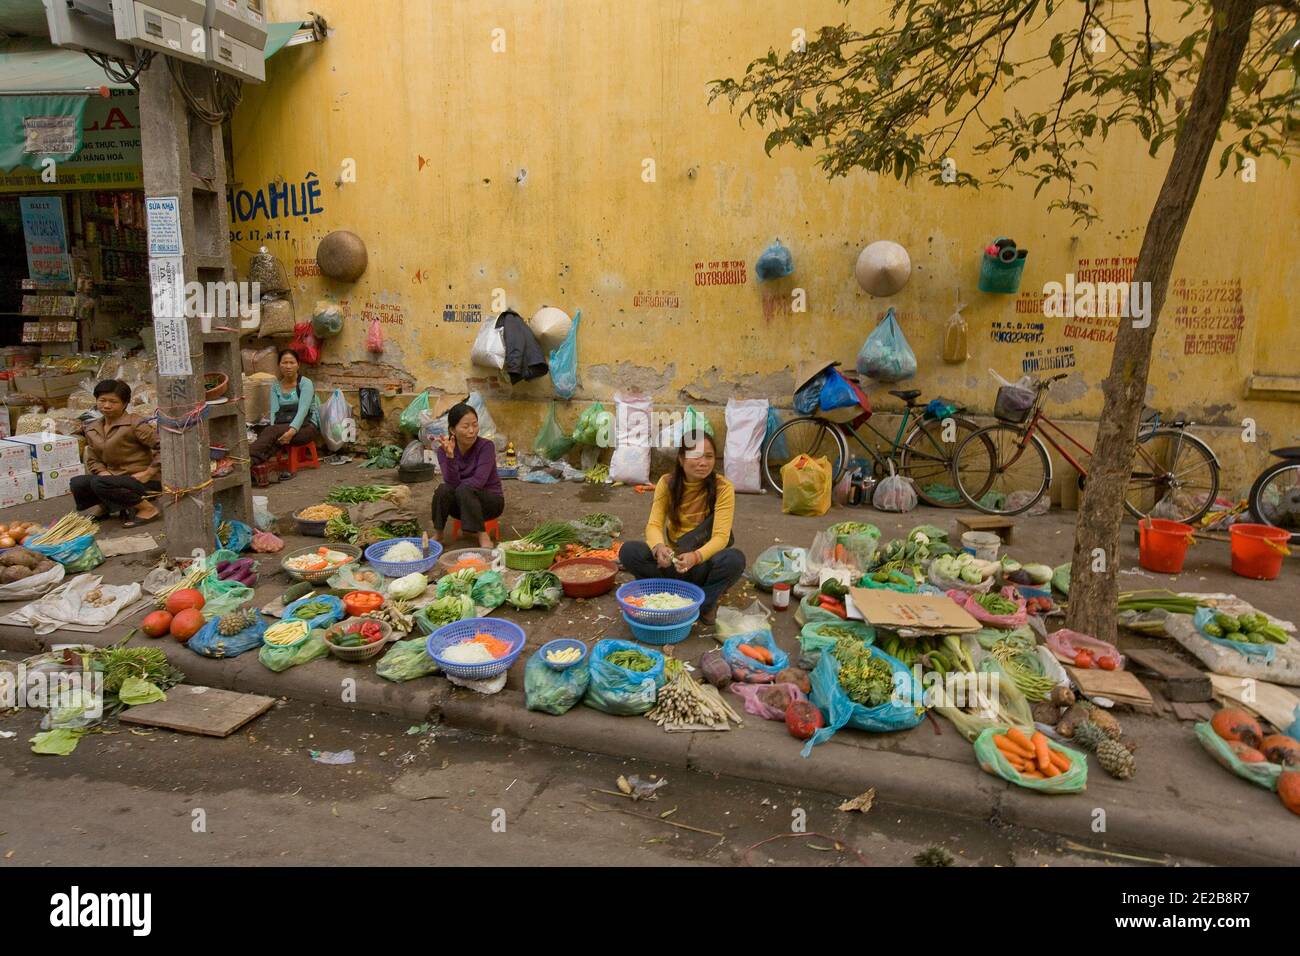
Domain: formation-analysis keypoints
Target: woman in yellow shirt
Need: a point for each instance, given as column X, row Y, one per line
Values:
column 688, row 536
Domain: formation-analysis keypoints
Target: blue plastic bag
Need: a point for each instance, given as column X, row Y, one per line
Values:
column 809, row 395
column 564, row 362
column 778, row 449
column 775, row 262
column 66, row 553
column 613, row 689
column 209, row 643
column 836, row 392
column 885, row 355
column 239, row 537
column 1256, row 652
column 902, row 713
column 743, row 663
column 320, row 621
column 551, row 690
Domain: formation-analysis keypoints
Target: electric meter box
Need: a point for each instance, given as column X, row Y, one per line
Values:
column 171, row 27
column 237, row 37
column 85, row 25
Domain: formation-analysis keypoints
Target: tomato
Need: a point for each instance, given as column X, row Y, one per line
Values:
column 1108, row 662
column 1083, row 659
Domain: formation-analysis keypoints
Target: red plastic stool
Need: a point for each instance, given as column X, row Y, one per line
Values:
column 299, row 456
column 490, row 526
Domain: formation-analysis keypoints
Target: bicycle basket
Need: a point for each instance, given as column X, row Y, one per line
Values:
column 1013, row 403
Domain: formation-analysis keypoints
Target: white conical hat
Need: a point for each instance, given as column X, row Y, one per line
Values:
column 883, row 268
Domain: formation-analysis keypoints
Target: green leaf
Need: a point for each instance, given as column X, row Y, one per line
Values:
column 1247, row 79
column 773, row 138
column 1008, row 69
column 1057, row 51
column 1040, row 123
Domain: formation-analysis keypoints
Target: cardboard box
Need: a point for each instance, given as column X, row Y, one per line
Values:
column 51, row 386
column 50, row 452
column 58, row 482
column 18, row 489
column 920, row 612
column 15, row 458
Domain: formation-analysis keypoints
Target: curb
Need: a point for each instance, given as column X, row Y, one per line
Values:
column 948, row 783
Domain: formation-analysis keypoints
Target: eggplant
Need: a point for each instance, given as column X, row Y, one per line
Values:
column 222, row 566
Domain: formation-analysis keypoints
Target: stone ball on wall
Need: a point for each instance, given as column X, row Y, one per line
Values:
column 342, row 255
column 883, row 268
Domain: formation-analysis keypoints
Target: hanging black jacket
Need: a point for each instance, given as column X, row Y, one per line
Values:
column 525, row 359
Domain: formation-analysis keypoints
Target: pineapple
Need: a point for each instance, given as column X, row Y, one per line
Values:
column 1105, row 720
column 231, row 624
column 1114, row 757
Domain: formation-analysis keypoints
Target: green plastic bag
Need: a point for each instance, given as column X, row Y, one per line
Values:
column 553, row 691
column 410, row 418
column 406, row 660
column 595, row 427
column 812, row 638
column 308, row 648
column 552, row 443
column 88, row 560
column 222, row 597
column 1061, row 579
column 810, row 612
column 1261, row 774
column 992, row 761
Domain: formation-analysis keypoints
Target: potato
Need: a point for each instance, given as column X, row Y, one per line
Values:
column 6, row 541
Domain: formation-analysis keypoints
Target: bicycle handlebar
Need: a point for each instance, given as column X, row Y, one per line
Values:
column 1047, row 382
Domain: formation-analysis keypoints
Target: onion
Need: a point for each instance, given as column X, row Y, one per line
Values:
column 6, row 541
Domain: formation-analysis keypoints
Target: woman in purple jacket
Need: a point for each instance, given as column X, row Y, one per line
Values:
column 471, row 488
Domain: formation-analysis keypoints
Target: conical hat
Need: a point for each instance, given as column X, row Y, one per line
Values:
column 883, row 268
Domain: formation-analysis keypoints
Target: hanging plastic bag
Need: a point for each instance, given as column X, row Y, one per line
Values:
column 630, row 462
column 326, row 319
column 902, row 712
column 375, row 337
column 410, row 417
column 885, row 355
column 564, row 362
column 406, row 660
column 335, row 415
column 751, row 670
column 742, row 455
column 552, row 443
column 305, row 345
column 553, row 691
column 837, row 392
column 371, row 406
column 894, row 493
column 310, row 647
column 489, row 348
column 806, row 486
column 617, row 690
column 210, row 643
column 954, row 338
column 768, row 701
column 775, row 262
column 992, row 760
column 777, row 449
column 487, row 426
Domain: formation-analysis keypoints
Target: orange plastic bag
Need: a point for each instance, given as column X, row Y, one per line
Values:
column 806, row 486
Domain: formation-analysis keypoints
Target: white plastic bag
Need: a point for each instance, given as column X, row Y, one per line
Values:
column 630, row 462
column 67, row 604
column 489, row 346
column 33, row 585
column 746, row 426
column 894, row 493
column 487, row 426
column 335, row 419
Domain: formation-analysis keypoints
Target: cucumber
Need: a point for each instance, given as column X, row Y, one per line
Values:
column 301, row 589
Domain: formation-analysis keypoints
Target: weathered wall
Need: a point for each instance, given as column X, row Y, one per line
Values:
column 523, row 171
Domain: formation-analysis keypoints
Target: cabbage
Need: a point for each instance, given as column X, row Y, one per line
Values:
column 408, row 588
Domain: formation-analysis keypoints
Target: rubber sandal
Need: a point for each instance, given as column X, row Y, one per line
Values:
column 134, row 522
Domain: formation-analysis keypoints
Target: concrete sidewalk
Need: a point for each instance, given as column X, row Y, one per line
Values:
column 1180, row 801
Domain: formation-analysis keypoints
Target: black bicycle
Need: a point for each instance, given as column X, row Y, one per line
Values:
column 1275, row 495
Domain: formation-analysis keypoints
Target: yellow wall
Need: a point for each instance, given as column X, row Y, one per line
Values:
column 441, row 128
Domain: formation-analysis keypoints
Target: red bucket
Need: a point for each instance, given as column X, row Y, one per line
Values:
column 1258, row 550
column 1162, row 545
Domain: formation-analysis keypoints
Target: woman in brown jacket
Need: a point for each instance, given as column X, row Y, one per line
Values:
column 121, row 458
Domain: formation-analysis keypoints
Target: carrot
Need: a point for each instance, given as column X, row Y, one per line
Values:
column 1006, row 746
column 1051, row 770
column 1034, row 774
column 760, row 654
column 1025, row 749
column 1042, row 752
column 1020, row 764
column 1019, row 738
column 1060, row 761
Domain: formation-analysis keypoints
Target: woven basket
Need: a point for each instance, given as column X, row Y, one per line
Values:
column 318, row 577
column 529, row 560
column 365, row 651
column 459, row 631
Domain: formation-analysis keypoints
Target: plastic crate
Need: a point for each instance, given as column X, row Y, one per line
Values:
column 459, row 631
column 644, row 586
column 661, row 634
column 398, row 569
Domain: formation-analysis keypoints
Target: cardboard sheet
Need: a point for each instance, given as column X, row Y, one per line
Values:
column 925, row 612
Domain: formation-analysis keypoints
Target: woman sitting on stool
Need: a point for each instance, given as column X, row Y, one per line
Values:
column 688, row 536
column 471, row 488
column 294, row 414
column 121, row 458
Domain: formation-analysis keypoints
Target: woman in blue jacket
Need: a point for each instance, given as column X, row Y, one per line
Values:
column 295, row 413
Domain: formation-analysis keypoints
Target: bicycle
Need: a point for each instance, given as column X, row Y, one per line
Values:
column 1018, row 473
column 923, row 455
column 1275, row 495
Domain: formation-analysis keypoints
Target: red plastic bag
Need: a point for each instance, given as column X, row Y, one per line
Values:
column 374, row 337
column 1066, row 645
column 972, row 607
column 803, row 719
column 305, row 344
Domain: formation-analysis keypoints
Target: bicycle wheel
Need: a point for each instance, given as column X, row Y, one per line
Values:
column 1275, row 498
column 815, row 437
column 1175, row 476
column 1001, row 472
column 927, row 458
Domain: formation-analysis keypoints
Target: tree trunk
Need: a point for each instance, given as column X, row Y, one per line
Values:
column 1093, row 581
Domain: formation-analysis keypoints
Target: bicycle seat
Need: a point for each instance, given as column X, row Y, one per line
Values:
column 906, row 394
column 1292, row 453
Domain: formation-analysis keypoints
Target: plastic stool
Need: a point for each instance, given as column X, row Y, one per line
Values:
column 490, row 526
column 299, row 456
